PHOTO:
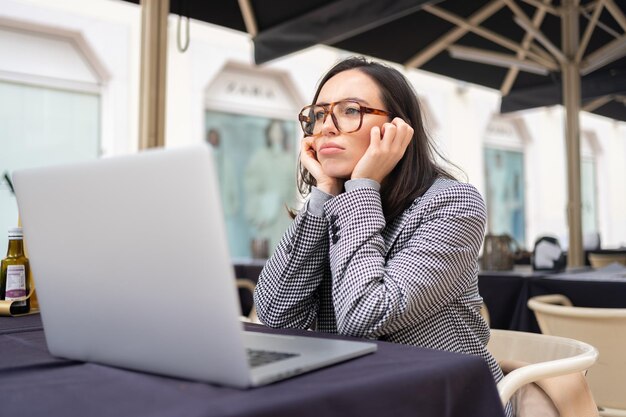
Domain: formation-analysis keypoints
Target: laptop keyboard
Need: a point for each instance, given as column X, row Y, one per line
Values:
column 263, row 357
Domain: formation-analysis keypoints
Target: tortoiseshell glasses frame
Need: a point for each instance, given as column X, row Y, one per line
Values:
column 346, row 121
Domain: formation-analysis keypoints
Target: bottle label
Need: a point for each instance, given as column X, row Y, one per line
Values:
column 16, row 284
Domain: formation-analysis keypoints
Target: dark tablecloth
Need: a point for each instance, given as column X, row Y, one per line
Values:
column 395, row 381
column 506, row 294
column 503, row 294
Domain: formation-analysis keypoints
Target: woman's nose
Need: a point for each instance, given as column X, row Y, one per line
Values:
column 328, row 125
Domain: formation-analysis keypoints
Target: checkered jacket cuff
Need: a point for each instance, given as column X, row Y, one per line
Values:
column 361, row 183
column 316, row 202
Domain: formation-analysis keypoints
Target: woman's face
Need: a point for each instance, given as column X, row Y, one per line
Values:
column 338, row 153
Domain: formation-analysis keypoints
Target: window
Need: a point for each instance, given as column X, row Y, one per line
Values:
column 505, row 192
column 505, row 178
column 251, row 124
column 588, row 185
column 49, row 114
column 588, row 197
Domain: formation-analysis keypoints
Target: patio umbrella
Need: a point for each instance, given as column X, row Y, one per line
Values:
column 602, row 92
column 495, row 39
column 537, row 52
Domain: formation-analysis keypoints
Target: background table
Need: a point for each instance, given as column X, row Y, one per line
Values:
column 506, row 293
column 396, row 381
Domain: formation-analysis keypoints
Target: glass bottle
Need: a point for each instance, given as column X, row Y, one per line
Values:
column 14, row 273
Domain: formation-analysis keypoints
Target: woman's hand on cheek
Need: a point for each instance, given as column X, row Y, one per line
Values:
column 308, row 159
column 384, row 151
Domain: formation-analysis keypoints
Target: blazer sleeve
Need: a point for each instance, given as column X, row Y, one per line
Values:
column 373, row 296
column 286, row 294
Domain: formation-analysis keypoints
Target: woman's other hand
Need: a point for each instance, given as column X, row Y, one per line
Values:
column 385, row 150
column 308, row 159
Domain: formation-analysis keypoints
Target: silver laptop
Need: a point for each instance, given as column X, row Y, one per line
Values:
column 132, row 269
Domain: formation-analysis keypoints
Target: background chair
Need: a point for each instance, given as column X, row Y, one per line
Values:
column 484, row 312
column 605, row 328
column 532, row 357
column 248, row 285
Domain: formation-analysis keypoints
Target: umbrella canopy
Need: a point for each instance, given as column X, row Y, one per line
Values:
column 536, row 52
column 512, row 46
column 490, row 37
column 509, row 45
column 602, row 93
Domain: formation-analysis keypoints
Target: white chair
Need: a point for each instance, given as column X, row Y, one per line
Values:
column 246, row 284
column 484, row 312
column 605, row 328
column 538, row 357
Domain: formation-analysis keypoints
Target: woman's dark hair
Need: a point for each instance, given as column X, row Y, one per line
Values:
column 417, row 170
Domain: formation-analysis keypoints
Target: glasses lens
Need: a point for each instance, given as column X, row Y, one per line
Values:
column 347, row 118
column 348, row 115
column 312, row 119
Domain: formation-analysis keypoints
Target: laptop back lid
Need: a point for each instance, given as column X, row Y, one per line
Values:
column 131, row 265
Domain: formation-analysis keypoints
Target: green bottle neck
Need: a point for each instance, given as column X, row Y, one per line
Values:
column 16, row 248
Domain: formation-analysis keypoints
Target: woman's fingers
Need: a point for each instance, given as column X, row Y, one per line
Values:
column 308, row 156
column 397, row 135
column 387, row 146
column 403, row 134
column 389, row 136
column 375, row 137
column 308, row 159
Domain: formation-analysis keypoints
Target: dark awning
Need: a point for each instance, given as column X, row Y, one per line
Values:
column 453, row 38
column 602, row 93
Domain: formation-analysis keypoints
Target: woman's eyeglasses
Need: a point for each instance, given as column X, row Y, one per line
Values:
column 347, row 115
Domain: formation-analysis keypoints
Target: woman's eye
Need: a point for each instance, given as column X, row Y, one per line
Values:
column 351, row 111
column 319, row 115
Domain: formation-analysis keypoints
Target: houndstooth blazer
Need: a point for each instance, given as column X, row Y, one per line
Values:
column 413, row 281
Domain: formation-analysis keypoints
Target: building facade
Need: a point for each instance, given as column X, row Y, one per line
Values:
column 69, row 88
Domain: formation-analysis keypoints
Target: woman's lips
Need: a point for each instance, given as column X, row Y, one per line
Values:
column 329, row 149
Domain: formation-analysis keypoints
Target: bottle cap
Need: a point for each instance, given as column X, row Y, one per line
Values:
column 15, row 233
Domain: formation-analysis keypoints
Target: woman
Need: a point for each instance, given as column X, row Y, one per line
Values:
column 386, row 246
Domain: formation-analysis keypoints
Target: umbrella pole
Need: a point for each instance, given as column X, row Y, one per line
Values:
column 571, row 101
column 153, row 73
